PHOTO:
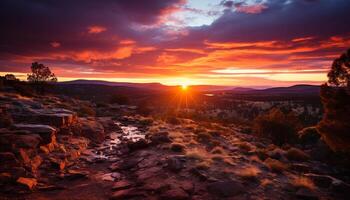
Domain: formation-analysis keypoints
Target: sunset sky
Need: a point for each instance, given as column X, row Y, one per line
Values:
column 219, row 42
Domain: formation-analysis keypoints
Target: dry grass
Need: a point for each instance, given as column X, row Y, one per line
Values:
column 249, row 172
column 275, row 165
column 265, row 182
column 297, row 155
column 204, row 165
column 218, row 150
column 302, row 182
column 197, row 154
column 204, row 137
column 245, row 146
column 218, row 157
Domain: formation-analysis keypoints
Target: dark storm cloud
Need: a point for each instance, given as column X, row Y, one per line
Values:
column 130, row 35
column 284, row 20
column 29, row 26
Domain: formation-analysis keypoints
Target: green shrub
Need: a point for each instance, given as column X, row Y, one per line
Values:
column 281, row 128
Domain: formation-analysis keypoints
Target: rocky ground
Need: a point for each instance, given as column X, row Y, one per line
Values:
column 52, row 149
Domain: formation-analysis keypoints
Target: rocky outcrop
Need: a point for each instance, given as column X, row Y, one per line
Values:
column 91, row 129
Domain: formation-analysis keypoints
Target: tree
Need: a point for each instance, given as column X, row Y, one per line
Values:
column 278, row 126
column 41, row 74
column 335, row 95
column 10, row 77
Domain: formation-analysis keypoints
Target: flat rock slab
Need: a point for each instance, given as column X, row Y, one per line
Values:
column 47, row 133
column 226, row 188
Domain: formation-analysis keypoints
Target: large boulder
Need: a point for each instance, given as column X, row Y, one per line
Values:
column 10, row 141
column 58, row 118
column 47, row 133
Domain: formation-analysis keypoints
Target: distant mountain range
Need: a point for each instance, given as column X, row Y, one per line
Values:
column 296, row 89
column 123, row 84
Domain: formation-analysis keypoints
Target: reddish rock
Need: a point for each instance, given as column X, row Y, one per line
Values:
column 226, row 188
column 126, row 194
column 122, row 185
column 306, row 194
column 175, row 164
column 8, row 160
column 90, row 129
column 57, row 163
column 161, row 137
column 11, row 141
column 137, row 145
column 174, row 194
column 29, row 183
column 47, row 133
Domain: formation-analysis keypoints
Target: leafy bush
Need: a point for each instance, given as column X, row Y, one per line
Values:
column 309, row 135
column 279, row 127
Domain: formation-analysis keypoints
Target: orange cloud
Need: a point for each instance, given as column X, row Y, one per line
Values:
column 96, row 29
column 251, row 9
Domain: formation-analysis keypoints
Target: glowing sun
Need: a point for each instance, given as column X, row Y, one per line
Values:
column 184, row 86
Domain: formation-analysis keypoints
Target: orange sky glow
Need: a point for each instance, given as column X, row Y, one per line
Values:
column 181, row 42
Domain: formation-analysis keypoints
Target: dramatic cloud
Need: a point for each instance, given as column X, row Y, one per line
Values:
column 155, row 40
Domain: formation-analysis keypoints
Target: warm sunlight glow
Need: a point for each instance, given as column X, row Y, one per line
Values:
column 184, row 87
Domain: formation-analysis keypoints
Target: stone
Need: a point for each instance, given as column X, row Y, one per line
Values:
column 323, row 181
column 175, row 164
column 91, row 129
column 5, row 177
column 30, row 183
column 177, row 147
column 58, row 163
column 340, row 187
column 8, row 160
column 126, row 194
column 137, row 145
column 160, row 137
column 200, row 174
column 12, row 140
column 300, row 167
column 174, row 194
column 121, row 185
column 188, row 186
column 306, row 194
column 226, row 188
column 47, row 133
column 75, row 174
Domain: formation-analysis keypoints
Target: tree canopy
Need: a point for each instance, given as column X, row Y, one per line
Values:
column 335, row 96
column 339, row 75
column 41, row 73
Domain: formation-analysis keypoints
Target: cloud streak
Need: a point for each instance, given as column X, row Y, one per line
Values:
column 132, row 39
